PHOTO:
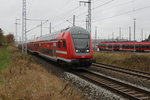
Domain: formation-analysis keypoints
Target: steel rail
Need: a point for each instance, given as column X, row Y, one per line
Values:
column 126, row 90
column 136, row 73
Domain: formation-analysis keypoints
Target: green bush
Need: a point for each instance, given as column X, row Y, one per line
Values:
column 4, row 58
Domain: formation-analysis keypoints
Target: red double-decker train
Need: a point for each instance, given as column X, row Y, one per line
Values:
column 72, row 46
column 126, row 46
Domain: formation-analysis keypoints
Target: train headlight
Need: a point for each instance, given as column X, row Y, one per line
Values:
column 87, row 50
column 77, row 50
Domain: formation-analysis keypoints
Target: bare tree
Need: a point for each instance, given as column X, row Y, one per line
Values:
column 1, row 37
column 10, row 39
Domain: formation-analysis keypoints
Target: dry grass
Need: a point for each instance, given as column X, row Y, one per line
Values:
column 25, row 80
column 138, row 61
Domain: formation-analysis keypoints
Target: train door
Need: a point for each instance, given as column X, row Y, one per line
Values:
column 54, row 44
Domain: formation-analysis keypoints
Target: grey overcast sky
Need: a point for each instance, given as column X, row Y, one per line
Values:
column 107, row 15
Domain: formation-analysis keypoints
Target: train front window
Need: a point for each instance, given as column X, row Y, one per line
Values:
column 81, row 41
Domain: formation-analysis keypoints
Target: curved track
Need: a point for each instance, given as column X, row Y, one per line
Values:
column 128, row 91
column 134, row 73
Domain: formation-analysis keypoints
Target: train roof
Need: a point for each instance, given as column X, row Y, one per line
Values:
column 52, row 36
column 77, row 29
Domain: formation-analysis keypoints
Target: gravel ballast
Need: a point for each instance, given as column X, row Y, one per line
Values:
column 91, row 90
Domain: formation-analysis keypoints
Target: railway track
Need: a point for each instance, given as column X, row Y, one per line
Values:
column 126, row 90
column 135, row 73
column 123, row 89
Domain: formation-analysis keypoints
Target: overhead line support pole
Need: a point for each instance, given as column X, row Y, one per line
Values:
column 130, row 33
column 16, row 23
column 86, row 22
column 89, row 14
column 142, row 34
column 24, row 35
column 73, row 20
column 41, row 28
column 134, row 32
column 50, row 28
column 95, row 38
column 120, row 33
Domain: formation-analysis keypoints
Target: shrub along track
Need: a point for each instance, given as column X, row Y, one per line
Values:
column 128, row 91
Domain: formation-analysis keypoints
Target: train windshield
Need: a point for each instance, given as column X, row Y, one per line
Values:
column 81, row 41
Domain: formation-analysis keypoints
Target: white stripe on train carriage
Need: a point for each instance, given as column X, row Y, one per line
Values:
column 62, row 52
column 48, row 41
column 55, row 58
column 49, row 57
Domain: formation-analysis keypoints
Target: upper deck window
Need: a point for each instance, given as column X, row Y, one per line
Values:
column 80, row 36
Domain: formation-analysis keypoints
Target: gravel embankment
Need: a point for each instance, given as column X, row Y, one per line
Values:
column 89, row 90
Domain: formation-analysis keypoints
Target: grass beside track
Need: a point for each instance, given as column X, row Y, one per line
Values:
column 137, row 61
column 4, row 58
column 25, row 79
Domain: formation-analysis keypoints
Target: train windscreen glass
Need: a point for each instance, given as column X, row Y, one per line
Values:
column 81, row 41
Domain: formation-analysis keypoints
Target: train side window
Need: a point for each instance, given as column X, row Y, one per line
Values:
column 59, row 44
column 64, row 44
column 147, row 47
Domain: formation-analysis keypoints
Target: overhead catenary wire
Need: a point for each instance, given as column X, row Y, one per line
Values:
column 70, row 17
column 62, row 21
column 30, row 6
column 95, row 8
column 70, row 11
column 64, row 14
column 83, row 13
column 36, row 27
column 96, row 1
column 123, row 4
column 131, row 11
column 103, row 4
column 67, row 3
column 110, row 7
